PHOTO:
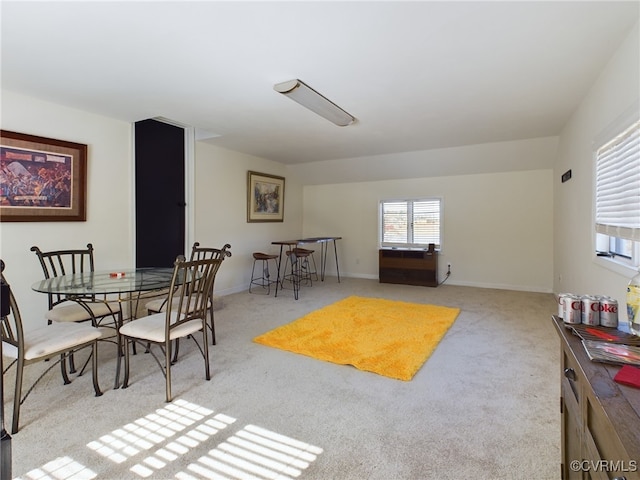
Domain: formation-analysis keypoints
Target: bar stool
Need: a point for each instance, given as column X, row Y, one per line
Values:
column 306, row 262
column 264, row 280
column 299, row 273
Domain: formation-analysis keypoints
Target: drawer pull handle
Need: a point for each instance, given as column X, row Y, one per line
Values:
column 570, row 373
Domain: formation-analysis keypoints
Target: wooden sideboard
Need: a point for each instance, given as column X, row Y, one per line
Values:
column 408, row 267
column 600, row 417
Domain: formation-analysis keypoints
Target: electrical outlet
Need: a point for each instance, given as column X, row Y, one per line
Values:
column 448, row 266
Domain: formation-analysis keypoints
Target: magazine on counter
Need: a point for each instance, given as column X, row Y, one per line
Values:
column 603, row 334
column 608, row 352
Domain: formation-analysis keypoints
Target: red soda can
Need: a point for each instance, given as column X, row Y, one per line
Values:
column 590, row 310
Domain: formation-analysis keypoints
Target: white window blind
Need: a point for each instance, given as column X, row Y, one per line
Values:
column 618, row 185
column 426, row 222
column 395, row 222
column 411, row 223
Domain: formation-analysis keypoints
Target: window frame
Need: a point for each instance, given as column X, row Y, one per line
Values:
column 410, row 244
column 610, row 258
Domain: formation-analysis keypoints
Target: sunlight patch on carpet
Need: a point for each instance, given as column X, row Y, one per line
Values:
column 387, row 337
column 62, row 468
column 165, row 440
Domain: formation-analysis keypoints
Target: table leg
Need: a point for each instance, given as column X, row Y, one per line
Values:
column 335, row 251
column 278, row 277
column 323, row 259
column 295, row 274
column 133, row 304
column 119, row 353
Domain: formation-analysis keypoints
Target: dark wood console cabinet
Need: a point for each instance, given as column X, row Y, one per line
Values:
column 408, row 267
column 600, row 418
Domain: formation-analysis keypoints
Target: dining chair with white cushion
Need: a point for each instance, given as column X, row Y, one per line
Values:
column 197, row 253
column 187, row 317
column 79, row 309
column 43, row 343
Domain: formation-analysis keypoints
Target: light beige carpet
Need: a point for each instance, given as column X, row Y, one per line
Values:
column 387, row 337
column 484, row 406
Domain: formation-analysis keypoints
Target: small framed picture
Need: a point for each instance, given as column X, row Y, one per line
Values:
column 42, row 179
column 265, row 197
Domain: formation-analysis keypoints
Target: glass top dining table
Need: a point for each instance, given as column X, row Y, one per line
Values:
column 129, row 285
column 107, row 282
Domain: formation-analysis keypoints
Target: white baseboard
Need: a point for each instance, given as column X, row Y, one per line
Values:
column 501, row 286
column 498, row 286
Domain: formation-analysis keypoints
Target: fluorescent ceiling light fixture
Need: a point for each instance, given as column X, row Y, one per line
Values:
column 306, row 96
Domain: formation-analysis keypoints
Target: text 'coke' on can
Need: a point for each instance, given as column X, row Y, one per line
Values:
column 608, row 312
column 572, row 309
column 590, row 310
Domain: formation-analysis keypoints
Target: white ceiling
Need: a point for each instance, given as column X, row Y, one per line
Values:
column 416, row 75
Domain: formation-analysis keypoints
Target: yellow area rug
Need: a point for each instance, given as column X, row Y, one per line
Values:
column 387, row 337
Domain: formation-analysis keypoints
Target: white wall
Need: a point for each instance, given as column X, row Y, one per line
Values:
column 576, row 267
column 108, row 225
column 221, row 211
column 516, row 155
column 220, row 202
column 497, row 227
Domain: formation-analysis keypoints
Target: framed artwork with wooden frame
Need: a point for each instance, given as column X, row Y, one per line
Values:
column 42, row 179
column 265, row 197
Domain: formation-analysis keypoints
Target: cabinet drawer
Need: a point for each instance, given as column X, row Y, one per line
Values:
column 572, row 376
column 403, row 262
column 571, row 430
column 602, row 442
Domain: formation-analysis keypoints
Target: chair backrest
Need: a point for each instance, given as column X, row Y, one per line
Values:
column 199, row 253
column 63, row 262
column 11, row 331
column 192, row 302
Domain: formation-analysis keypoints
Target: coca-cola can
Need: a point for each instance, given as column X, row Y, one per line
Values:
column 561, row 297
column 608, row 312
column 572, row 309
column 590, row 310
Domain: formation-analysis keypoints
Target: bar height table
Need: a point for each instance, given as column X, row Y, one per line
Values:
column 324, row 243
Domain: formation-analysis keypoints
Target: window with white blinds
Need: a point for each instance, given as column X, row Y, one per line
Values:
column 617, row 203
column 410, row 223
